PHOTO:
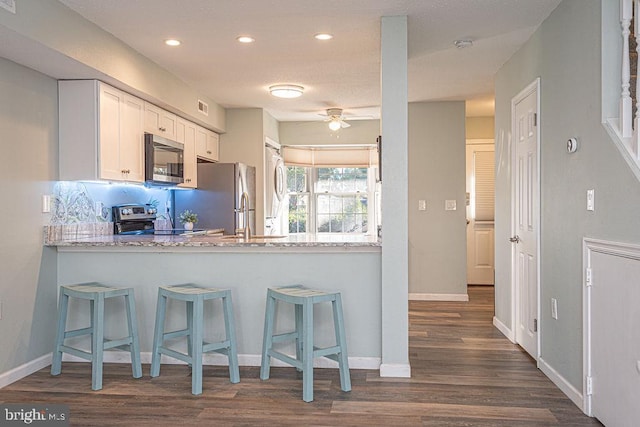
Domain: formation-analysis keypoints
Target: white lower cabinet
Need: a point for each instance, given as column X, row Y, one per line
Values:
column 101, row 132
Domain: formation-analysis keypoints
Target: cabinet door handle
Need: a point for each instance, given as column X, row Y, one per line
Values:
column 208, row 152
column 162, row 129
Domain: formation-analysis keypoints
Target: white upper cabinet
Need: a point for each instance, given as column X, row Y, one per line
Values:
column 160, row 122
column 207, row 144
column 186, row 133
column 101, row 132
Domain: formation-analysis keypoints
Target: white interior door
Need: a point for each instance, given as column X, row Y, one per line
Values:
column 526, row 217
column 480, row 213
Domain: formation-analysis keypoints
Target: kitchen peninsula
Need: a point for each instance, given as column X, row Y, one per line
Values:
column 144, row 262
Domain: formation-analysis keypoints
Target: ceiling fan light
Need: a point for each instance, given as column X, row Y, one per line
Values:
column 286, row 91
column 334, row 124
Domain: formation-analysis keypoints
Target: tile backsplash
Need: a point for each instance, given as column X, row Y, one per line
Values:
column 87, row 203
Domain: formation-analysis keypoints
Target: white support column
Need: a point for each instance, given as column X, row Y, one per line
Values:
column 395, row 209
column 626, row 119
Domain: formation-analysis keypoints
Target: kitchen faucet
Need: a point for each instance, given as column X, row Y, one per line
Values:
column 244, row 207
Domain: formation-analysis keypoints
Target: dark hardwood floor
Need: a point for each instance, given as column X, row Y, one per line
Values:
column 464, row 373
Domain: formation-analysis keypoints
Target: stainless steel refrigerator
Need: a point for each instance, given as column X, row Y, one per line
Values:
column 217, row 198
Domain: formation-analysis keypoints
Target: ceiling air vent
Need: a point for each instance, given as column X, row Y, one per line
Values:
column 203, row 107
column 10, row 5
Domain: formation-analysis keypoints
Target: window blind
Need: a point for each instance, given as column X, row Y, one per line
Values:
column 484, row 185
column 348, row 156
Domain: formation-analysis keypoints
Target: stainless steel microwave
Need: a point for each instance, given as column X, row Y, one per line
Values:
column 164, row 160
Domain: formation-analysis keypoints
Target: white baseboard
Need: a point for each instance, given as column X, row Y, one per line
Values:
column 572, row 393
column 24, row 370
column 215, row 359
column 438, row 297
column 504, row 329
column 395, row 370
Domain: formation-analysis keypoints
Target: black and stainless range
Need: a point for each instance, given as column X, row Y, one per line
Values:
column 133, row 219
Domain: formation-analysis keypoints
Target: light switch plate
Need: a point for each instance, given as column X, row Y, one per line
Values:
column 554, row 308
column 422, row 205
column 449, row 205
column 591, row 202
column 46, row 203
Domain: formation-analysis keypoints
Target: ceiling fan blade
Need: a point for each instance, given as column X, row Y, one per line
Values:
column 344, row 124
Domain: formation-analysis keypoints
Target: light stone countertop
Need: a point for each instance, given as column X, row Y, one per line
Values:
column 211, row 241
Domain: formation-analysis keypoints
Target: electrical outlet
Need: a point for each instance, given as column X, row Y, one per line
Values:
column 449, row 205
column 554, row 308
column 422, row 205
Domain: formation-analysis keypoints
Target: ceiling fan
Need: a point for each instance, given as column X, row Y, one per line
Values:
column 338, row 120
column 335, row 118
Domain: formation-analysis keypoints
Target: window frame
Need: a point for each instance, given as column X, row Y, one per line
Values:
column 312, row 179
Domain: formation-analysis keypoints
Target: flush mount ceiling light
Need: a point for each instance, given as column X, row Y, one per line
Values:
column 464, row 43
column 245, row 39
column 172, row 42
column 323, row 36
column 286, row 91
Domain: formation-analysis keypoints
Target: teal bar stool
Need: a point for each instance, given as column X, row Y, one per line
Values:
column 303, row 299
column 195, row 296
column 96, row 294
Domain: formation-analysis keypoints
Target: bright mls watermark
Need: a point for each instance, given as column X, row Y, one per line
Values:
column 40, row 415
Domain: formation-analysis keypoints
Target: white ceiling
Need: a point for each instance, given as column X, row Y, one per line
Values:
column 343, row 72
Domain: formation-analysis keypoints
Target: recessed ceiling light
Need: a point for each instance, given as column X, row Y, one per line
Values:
column 245, row 39
column 286, row 91
column 461, row 44
column 323, row 36
column 172, row 42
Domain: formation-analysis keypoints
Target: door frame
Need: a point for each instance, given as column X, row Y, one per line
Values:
column 533, row 87
column 480, row 142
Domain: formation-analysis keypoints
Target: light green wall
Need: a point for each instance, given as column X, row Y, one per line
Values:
column 565, row 53
column 50, row 33
column 247, row 130
column 28, row 137
column 479, row 127
column 437, row 238
column 318, row 133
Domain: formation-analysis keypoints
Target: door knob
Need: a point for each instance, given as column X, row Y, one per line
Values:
column 515, row 239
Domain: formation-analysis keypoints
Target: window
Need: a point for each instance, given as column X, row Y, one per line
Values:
column 298, row 189
column 329, row 200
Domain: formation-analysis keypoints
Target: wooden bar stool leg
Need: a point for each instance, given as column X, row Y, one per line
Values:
column 341, row 340
column 63, row 304
column 307, row 351
column 196, row 345
column 132, row 323
column 97, row 343
column 189, row 305
column 229, row 322
column 158, row 339
column 299, row 334
column 267, row 340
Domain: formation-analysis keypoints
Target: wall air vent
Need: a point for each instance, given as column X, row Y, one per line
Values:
column 203, row 107
column 10, row 5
